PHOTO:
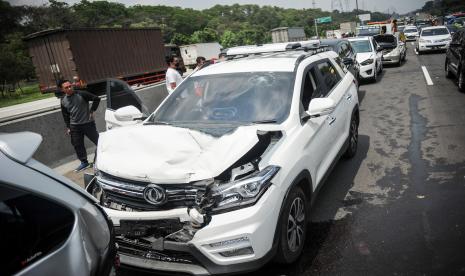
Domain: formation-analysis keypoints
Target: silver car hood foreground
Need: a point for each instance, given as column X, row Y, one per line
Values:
column 167, row 154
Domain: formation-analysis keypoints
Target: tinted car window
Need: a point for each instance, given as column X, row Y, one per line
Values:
column 362, row 46
column 31, row 228
column 312, row 87
column 121, row 95
column 432, row 32
column 330, row 76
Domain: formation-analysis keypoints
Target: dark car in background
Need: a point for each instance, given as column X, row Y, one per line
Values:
column 49, row 225
column 347, row 55
column 455, row 59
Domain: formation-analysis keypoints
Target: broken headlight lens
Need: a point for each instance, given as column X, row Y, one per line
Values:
column 244, row 192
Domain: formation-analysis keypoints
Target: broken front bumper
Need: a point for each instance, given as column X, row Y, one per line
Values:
column 236, row 241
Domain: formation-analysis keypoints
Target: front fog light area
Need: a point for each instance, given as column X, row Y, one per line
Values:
column 231, row 248
column 237, row 252
column 243, row 192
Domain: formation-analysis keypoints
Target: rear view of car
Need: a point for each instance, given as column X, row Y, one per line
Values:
column 411, row 33
column 433, row 38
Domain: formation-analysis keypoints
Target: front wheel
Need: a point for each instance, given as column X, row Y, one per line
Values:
column 448, row 72
column 353, row 139
column 461, row 80
column 375, row 74
column 293, row 227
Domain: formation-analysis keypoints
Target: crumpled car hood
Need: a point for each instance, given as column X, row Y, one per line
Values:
column 361, row 57
column 168, row 154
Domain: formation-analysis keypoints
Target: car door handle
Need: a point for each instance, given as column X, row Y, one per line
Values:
column 349, row 97
column 332, row 120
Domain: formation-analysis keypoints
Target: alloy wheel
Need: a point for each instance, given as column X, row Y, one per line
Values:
column 295, row 225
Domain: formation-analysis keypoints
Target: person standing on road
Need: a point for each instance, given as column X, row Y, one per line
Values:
column 79, row 119
column 173, row 78
column 200, row 61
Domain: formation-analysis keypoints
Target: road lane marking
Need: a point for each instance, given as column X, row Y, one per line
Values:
column 429, row 81
column 413, row 44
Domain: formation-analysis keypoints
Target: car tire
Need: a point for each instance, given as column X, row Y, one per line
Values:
column 352, row 139
column 461, row 80
column 293, row 227
column 375, row 74
column 448, row 72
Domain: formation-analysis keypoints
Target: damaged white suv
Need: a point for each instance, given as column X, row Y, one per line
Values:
column 221, row 177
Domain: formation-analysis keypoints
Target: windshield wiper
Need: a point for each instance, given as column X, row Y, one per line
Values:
column 156, row 123
column 265, row 122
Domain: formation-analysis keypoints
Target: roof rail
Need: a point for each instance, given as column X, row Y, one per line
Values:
column 273, row 48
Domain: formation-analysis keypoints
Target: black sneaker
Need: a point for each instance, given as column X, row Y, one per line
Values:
column 83, row 166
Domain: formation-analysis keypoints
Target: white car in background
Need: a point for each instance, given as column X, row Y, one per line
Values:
column 411, row 33
column 220, row 178
column 369, row 56
column 433, row 38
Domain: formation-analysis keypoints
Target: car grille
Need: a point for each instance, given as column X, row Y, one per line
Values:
column 128, row 195
column 139, row 248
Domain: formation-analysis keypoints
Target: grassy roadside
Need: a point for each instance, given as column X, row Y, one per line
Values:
column 30, row 93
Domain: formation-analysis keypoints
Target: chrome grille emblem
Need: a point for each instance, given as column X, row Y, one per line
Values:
column 155, row 195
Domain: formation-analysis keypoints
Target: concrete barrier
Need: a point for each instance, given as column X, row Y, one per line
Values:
column 56, row 147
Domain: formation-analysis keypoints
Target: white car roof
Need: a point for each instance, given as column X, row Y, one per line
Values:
column 411, row 27
column 360, row 38
column 271, row 62
column 433, row 27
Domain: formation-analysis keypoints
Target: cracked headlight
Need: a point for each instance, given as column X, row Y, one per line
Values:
column 367, row 62
column 244, row 192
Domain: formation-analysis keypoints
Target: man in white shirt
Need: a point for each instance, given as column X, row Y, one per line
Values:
column 173, row 78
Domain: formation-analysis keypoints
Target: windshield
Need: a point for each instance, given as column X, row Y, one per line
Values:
column 369, row 31
column 361, row 46
column 234, row 98
column 432, row 32
column 410, row 31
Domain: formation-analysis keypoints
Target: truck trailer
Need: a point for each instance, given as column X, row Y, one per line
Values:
column 189, row 53
column 92, row 55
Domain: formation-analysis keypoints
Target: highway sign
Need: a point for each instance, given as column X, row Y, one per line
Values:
column 327, row 19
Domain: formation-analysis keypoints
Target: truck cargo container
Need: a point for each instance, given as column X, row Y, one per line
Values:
column 288, row 34
column 95, row 54
column 190, row 52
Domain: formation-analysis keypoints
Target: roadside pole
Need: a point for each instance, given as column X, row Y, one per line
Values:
column 316, row 29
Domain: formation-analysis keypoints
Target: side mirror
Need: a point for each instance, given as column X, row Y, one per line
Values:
column 379, row 48
column 320, row 107
column 127, row 113
column 348, row 61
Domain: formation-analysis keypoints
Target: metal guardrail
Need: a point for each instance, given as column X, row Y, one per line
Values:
column 54, row 107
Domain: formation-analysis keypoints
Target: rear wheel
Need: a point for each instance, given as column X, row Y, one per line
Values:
column 293, row 227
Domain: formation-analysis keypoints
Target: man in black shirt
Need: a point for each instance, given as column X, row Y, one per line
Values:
column 79, row 119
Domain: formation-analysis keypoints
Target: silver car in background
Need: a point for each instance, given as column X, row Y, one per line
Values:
column 394, row 50
column 49, row 225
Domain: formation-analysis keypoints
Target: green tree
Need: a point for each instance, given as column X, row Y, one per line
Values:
column 180, row 39
column 229, row 39
column 205, row 35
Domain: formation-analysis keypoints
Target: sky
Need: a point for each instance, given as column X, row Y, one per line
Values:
column 399, row 6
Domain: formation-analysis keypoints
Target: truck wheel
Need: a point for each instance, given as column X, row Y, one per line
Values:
column 293, row 227
column 353, row 139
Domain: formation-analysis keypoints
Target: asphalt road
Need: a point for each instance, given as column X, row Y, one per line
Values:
column 398, row 207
